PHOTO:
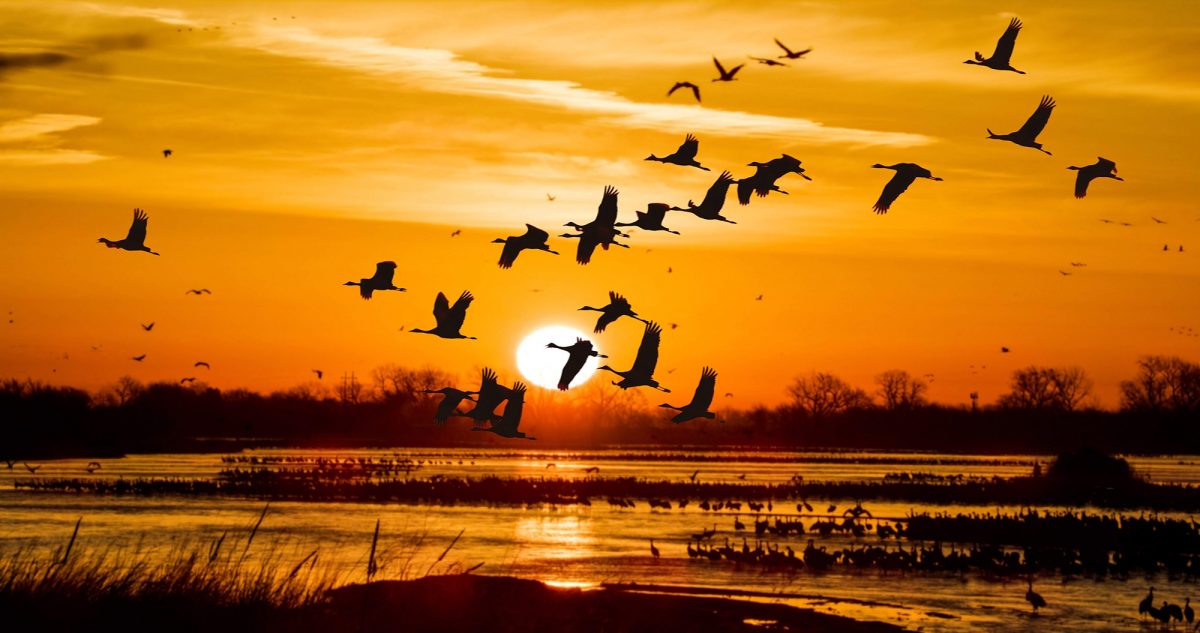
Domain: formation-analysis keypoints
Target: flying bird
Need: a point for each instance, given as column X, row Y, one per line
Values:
column 201, row 363
column 1004, row 350
column 686, row 84
column 652, row 218
column 1027, row 135
column 320, row 374
column 198, row 291
column 92, row 467
column 642, row 372
column 765, row 175
column 167, row 153
column 726, row 75
column 1064, row 273
column 449, row 405
column 147, row 327
column 550, row 198
column 1004, row 49
column 685, row 156
column 140, row 358
column 767, row 61
column 32, row 469
column 789, row 53
column 599, row 232
column 449, row 318
column 506, row 425
column 701, row 399
column 456, row 233
column 136, row 237
column 579, row 352
column 188, row 379
column 1102, row 168
column 1156, row 220
column 382, row 280
column 490, row 394
column 714, row 200
column 1078, row 264
column 533, row 239
column 617, row 307
column 906, row 173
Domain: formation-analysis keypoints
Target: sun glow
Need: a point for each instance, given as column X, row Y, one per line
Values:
column 543, row 366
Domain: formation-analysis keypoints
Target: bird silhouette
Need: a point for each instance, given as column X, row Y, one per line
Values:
column 1156, row 220
column 765, row 61
column 765, row 175
column 726, row 75
column 642, row 372
column 1064, row 273
column 906, row 173
column 1102, row 168
column 456, row 233
column 32, row 469
column 320, row 374
column 1027, row 135
column 1147, row 603
column 550, row 198
column 684, row 156
column 653, row 550
column 579, row 352
column 382, row 280
column 693, row 475
column 135, row 239
column 1078, row 264
column 1004, row 49
column 198, row 291
column 449, row 405
column 618, row 306
column 506, row 425
column 92, row 467
column 167, row 153
column 140, row 358
column 201, row 363
column 652, row 218
column 533, row 239
column 789, row 53
column 449, row 318
column 601, row 231
column 701, row 399
column 490, row 394
column 714, row 200
column 187, row 380
column 147, row 327
column 686, row 84
column 1004, row 350
column 1034, row 599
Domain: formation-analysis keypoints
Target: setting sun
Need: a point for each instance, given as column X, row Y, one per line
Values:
column 543, row 366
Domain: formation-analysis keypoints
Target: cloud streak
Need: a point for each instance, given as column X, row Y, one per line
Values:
column 442, row 71
column 33, row 140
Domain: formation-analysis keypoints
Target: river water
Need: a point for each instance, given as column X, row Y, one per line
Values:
column 579, row 545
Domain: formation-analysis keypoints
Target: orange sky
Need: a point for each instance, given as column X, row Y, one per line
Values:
column 308, row 148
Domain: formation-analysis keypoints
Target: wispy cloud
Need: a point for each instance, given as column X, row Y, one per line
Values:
column 442, row 71
column 34, row 140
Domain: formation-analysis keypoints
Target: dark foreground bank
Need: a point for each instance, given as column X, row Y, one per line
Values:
column 435, row 603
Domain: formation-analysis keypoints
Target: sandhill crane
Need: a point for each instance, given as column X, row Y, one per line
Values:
column 1102, row 168
column 167, row 153
column 449, row 318
column 490, row 394
column 198, row 291
column 1004, row 49
column 653, row 550
column 533, row 239
column 617, row 307
column 765, row 175
column 147, row 326
column 600, row 231
column 320, row 374
column 686, row 84
column 642, row 372
column 1034, row 599
column 186, row 380
column 789, row 53
column 201, row 363
column 506, row 425
column 1027, row 135
column 726, row 75
column 767, row 61
column 579, row 352
column 382, row 280
column 135, row 239
column 1147, row 603
column 652, row 218
column 1172, row 611
column 32, row 469
column 92, row 467
column 685, row 156
column 1189, row 614
column 140, row 358
column 714, row 200
column 701, row 399
column 449, row 405
column 906, row 173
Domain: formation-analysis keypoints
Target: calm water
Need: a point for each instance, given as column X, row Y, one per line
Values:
column 584, row 546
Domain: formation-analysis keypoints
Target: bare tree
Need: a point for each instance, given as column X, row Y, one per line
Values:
column 820, row 394
column 1163, row 384
column 899, row 390
column 1047, row 389
column 125, row 391
column 395, row 383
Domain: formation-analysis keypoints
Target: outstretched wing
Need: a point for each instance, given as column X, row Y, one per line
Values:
column 735, row 70
column 1082, row 179
column 441, row 308
column 617, row 300
column 647, row 354
column 607, row 213
column 458, row 312
column 1037, row 121
column 714, row 198
column 786, row 50
column 720, row 68
column 703, row 397
column 745, row 187
column 587, row 246
column 534, row 236
column 516, row 405
column 512, row 248
column 384, row 272
column 137, row 230
column 892, row 190
column 1004, row 46
column 574, row 363
column 688, row 149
